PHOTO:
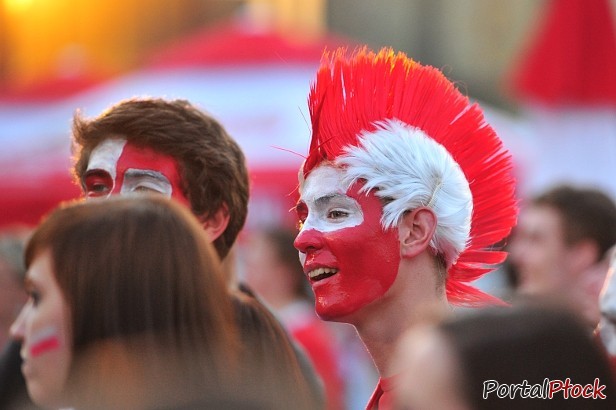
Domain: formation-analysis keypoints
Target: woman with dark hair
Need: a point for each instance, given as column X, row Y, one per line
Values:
column 127, row 308
column 526, row 357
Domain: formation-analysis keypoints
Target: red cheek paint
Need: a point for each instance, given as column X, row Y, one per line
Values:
column 366, row 256
column 44, row 341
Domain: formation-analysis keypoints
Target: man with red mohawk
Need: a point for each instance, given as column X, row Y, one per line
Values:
column 403, row 194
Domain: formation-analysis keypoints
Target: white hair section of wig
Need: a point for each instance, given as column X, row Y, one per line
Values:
column 408, row 170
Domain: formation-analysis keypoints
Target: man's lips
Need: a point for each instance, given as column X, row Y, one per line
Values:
column 320, row 265
column 318, row 274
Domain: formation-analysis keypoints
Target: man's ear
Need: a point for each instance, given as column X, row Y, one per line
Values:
column 216, row 223
column 415, row 231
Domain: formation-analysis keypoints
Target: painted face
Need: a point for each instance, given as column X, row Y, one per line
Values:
column 119, row 167
column 349, row 259
column 43, row 326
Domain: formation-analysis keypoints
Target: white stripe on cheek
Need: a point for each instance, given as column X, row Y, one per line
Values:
column 44, row 341
column 106, row 155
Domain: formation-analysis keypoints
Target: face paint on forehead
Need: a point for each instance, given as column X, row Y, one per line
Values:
column 120, row 167
column 44, row 341
column 143, row 167
column 105, row 156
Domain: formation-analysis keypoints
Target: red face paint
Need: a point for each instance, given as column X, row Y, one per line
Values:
column 45, row 341
column 135, row 168
column 366, row 257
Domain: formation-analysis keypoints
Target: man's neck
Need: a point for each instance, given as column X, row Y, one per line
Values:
column 412, row 299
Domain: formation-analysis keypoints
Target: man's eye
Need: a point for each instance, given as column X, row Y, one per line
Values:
column 145, row 189
column 98, row 184
column 335, row 214
column 99, row 188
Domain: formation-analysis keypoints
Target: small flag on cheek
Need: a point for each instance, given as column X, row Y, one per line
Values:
column 44, row 341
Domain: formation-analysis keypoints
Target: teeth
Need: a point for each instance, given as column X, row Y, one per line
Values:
column 321, row 271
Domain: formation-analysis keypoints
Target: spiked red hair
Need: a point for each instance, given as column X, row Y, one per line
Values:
column 350, row 95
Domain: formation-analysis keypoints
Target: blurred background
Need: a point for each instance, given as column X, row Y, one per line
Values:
column 543, row 71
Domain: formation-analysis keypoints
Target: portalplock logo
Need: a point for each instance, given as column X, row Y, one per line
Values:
column 546, row 390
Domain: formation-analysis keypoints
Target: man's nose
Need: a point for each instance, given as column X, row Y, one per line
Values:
column 308, row 239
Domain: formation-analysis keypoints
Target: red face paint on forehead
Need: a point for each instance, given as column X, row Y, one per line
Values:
column 147, row 159
column 366, row 257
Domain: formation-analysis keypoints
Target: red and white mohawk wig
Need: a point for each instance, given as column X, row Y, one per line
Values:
column 416, row 141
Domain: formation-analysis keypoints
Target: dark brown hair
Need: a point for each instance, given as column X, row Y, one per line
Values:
column 585, row 213
column 531, row 342
column 135, row 266
column 212, row 165
column 271, row 369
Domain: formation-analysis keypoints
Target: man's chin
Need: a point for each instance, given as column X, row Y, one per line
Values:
column 335, row 313
column 325, row 314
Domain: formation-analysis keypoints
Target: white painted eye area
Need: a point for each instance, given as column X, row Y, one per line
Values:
column 324, row 204
column 139, row 180
column 330, row 213
column 337, row 214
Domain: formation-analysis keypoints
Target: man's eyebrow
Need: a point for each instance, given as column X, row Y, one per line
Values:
column 95, row 171
column 325, row 199
column 136, row 173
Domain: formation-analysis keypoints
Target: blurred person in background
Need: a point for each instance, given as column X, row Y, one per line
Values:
column 273, row 273
column 171, row 148
column 474, row 361
column 558, row 248
column 12, row 272
column 404, row 187
column 607, row 304
column 127, row 308
column 12, row 298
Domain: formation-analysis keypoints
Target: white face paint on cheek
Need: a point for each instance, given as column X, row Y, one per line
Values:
column 44, row 341
column 105, row 156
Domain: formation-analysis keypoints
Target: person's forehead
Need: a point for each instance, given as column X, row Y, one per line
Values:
column 323, row 183
column 39, row 271
column 121, row 154
column 540, row 218
column 106, row 153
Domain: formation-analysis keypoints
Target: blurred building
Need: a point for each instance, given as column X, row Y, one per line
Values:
column 473, row 41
